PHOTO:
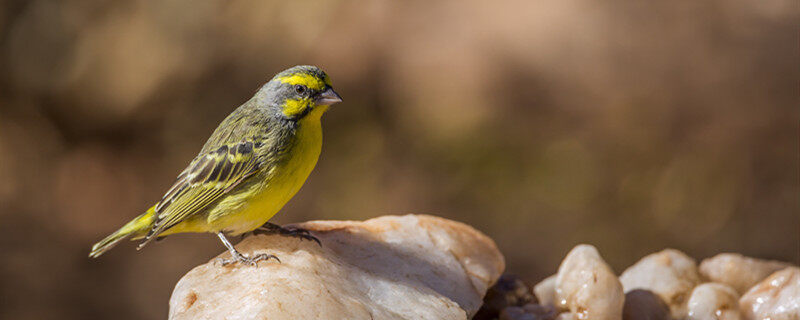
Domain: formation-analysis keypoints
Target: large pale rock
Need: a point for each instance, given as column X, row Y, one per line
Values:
column 670, row 274
column 587, row 287
column 738, row 271
column 776, row 298
column 392, row 267
column 713, row 301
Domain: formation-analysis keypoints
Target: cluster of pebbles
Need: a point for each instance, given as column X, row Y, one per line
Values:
column 664, row 285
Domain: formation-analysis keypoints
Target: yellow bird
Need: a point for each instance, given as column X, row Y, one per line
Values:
column 253, row 163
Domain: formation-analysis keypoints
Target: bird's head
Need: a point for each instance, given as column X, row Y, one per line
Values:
column 299, row 91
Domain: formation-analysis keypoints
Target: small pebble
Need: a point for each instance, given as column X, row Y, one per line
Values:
column 714, row 301
column 776, row 298
column 738, row 271
column 641, row 304
column 587, row 287
column 529, row 312
column 545, row 290
column 509, row 291
column 670, row 274
column 566, row 316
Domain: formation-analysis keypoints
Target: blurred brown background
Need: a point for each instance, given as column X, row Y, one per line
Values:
column 628, row 125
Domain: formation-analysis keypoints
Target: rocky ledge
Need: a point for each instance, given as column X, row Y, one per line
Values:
column 392, row 267
column 424, row 267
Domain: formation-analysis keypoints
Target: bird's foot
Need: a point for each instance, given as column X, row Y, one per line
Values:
column 250, row 261
column 271, row 228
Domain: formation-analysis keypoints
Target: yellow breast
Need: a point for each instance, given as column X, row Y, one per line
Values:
column 282, row 182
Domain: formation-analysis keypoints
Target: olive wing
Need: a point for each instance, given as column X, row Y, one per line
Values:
column 207, row 179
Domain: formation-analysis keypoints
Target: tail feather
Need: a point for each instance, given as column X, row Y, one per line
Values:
column 107, row 243
column 136, row 227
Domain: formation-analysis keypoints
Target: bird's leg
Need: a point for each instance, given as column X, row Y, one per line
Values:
column 236, row 256
column 271, row 228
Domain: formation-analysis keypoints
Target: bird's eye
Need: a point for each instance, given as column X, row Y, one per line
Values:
column 300, row 89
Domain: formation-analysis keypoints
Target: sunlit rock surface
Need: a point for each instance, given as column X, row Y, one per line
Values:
column 587, row 287
column 776, row 298
column 713, row 301
column 670, row 274
column 738, row 271
column 392, row 267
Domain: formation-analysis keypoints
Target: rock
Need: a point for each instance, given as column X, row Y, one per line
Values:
column 713, row 301
column 776, row 298
column 516, row 313
column 566, row 316
column 643, row 304
column 670, row 274
column 586, row 286
column 738, row 271
column 545, row 291
column 509, row 291
column 529, row 312
column 392, row 267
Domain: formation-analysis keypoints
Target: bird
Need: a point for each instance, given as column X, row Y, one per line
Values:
column 255, row 161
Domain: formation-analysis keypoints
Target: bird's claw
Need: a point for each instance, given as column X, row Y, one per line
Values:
column 303, row 234
column 250, row 261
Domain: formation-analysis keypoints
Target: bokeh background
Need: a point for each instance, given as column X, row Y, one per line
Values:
column 630, row 125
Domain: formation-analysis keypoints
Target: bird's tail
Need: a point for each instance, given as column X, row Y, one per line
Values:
column 136, row 227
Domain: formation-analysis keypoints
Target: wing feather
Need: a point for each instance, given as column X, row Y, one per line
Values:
column 209, row 177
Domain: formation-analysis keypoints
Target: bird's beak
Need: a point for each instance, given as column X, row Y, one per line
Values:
column 328, row 97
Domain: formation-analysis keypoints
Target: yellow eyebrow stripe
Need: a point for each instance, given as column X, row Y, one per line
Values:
column 304, row 79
